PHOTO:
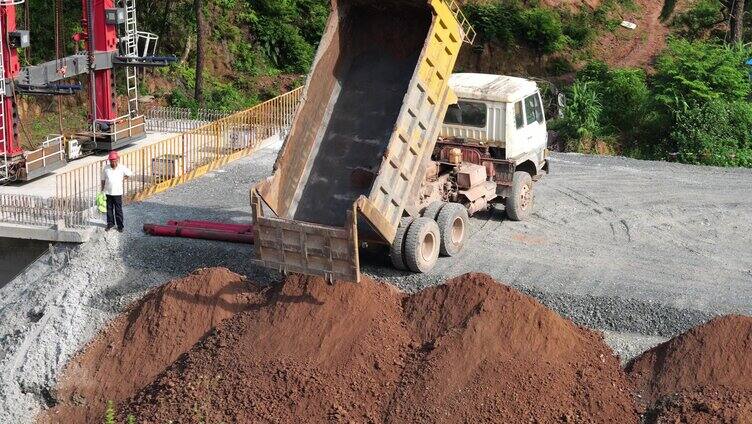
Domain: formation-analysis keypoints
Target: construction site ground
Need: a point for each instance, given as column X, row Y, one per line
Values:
column 639, row 250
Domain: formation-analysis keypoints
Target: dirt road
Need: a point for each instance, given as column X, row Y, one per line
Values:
column 623, row 47
column 619, row 244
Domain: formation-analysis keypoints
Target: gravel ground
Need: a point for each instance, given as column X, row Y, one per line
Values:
column 619, row 244
column 55, row 307
column 638, row 250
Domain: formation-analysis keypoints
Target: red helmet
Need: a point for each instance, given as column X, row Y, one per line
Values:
column 113, row 155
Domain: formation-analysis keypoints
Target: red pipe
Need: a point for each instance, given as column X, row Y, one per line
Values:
column 221, row 226
column 198, row 233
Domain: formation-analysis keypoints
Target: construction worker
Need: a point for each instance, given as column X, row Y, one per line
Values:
column 113, row 181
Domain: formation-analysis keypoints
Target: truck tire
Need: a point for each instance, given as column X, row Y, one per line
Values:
column 422, row 245
column 519, row 205
column 432, row 210
column 397, row 249
column 453, row 224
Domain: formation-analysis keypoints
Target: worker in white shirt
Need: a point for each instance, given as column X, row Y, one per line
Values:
column 113, row 181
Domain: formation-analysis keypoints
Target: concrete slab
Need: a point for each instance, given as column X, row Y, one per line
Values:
column 46, row 186
column 54, row 234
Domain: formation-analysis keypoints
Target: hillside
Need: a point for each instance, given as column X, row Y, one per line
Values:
column 258, row 49
column 673, row 72
column 590, row 27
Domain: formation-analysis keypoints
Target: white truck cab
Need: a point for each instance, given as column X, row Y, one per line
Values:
column 501, row 112
column 491, row 149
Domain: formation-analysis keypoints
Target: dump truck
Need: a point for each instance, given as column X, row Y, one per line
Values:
column 364, row 163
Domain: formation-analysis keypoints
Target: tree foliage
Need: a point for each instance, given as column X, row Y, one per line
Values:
column 543, row 29
column 694, row 105
column 697, row 71
column 699, row 21
column 717, row 133
column 509, row 22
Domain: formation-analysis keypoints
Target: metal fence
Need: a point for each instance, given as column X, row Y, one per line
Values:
column 182, row 157
column 41, row 211
column 177, row 120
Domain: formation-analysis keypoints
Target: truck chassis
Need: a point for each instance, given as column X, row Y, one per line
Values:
column 465, row 177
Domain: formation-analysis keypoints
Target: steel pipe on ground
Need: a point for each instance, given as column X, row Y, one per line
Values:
column 232, row 233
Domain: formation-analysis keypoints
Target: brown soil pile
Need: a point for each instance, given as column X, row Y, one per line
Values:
column 139, row 345
column 718, row 353
column 703, row 406
column 471, row 350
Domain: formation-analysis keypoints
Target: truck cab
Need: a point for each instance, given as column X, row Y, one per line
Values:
column 496, row 132
column 502, row 112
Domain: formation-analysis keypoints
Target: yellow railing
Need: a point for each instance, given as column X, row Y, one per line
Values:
column 185, row 156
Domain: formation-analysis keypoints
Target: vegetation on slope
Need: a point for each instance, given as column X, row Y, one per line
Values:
column 690, row 103
column 693, row 106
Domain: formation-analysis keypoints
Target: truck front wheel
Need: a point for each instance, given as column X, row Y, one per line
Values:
column 519, row 205
column 452, row 221
column 422, row 245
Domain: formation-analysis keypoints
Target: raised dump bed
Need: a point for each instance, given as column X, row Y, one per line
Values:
column 363, row 134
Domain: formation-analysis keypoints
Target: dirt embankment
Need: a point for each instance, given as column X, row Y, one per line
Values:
column 470, row 350
column 618, row 47
column 703, row 375
column 213, row 347
column 639, row 47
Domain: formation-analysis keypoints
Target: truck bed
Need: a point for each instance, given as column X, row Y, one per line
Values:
column 373, row 72
column 361, row 138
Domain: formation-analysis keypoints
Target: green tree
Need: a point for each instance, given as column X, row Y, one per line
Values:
column 495, row 21
column 696, row 72
column 700, row 19
column 715, row 133
column 543, row 29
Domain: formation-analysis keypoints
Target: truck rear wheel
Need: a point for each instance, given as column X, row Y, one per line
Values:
column 422, row 245
column 432, row 210
column 520, row 205
column 453, row 224
column 397, row 249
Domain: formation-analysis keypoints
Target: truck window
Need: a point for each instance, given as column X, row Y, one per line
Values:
column 518, row 116
column 533, row 109
column 470, row 114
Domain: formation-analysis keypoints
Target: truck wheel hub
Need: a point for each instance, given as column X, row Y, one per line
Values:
column 526, row 196
column 458, row 230
column 429, row 244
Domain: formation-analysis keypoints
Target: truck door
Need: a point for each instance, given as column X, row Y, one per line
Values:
column 535, row 122
column 529, row 127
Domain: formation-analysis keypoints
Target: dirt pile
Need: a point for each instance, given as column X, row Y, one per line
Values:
column 470, row 350
column 703, row 375
column 705, row 406
column 145, row 340
column 718, row 353
column 488, row 352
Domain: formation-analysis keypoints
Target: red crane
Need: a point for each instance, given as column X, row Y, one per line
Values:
column 11, row 67
column 111, row 39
